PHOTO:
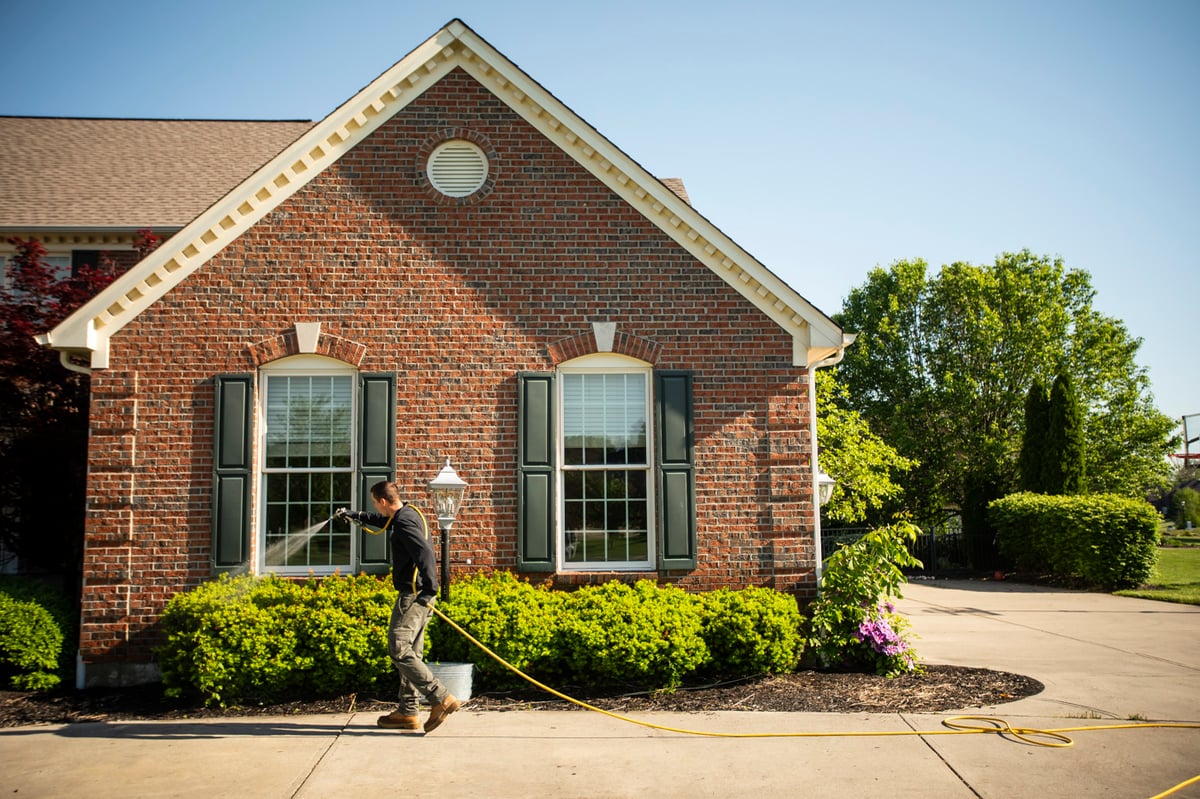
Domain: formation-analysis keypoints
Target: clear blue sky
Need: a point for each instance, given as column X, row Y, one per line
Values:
column 825, row 138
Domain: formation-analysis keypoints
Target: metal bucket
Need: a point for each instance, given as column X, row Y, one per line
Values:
column 456, row 677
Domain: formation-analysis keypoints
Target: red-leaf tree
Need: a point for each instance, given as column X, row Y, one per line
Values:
column 44, row 411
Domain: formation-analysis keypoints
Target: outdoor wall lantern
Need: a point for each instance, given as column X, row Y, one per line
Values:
column 447, row 490
column 825, row 485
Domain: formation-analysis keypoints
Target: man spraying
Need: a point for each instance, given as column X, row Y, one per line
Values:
column 415, row 577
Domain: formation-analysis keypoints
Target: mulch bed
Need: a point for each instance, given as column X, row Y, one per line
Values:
column 934, row 690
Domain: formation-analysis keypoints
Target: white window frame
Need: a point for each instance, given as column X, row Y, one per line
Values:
column 604, row 363
column 301, row 366
column 60, row 260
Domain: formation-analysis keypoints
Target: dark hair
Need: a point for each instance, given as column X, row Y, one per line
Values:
column 386, row 490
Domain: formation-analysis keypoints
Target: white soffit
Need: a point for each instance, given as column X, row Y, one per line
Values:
column 86, row 331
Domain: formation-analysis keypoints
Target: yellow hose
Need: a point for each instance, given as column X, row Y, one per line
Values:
column 1049, row 738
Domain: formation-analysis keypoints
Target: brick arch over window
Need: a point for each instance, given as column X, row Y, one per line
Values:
column 288, row 343
column 595, row 340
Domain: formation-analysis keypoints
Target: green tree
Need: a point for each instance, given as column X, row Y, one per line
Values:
column 1064, row 463
column 863, row 465
column 942, row 365
column 1033, row 442
column 1185, row 507
column 44, row 410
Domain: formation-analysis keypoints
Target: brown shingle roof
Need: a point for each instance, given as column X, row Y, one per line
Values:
column 61, row 172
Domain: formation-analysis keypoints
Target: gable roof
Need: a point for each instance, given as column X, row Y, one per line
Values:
column 86, row 333
column 59, row 173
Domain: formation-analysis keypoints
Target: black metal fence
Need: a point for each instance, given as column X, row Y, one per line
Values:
column 941, row 552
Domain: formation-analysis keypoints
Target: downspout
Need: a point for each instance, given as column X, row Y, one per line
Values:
column 832, row 360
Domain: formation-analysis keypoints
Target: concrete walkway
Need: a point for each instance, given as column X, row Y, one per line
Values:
column 1104, row 660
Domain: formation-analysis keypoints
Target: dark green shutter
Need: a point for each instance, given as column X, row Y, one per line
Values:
column 535, row 463
column 676, row 470
column 233, row 420
column 376, row 457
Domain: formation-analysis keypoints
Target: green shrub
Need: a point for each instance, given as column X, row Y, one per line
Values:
column 31, row 645
column 64, row 616
column 266, row 639
column 1185, row 507
column 509, row 616
column 614, row 634
column 1104, row 539
column 852, row 624
column 342, row 631
column 50, row 597
column 640, row 635
column 751, row 631
column 245, row 639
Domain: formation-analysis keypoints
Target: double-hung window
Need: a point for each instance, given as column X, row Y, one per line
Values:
column 306, row 436
column 307, row 468
column 605, row 467
column 606, row 509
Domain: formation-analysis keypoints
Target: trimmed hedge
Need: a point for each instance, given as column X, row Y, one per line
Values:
column 1105, row 539
column 751, row 631
column 642, row 635
column 34, row 622
column 514, row 619
column 248, row 639
column 264, row 639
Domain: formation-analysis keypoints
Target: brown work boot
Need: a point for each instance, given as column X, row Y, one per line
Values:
column 438, row 713
column 398, row 721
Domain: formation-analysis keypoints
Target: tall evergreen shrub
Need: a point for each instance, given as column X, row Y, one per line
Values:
column 1065, row 443
column 1033, row 444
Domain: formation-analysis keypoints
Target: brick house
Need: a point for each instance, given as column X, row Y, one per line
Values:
column 450, row 264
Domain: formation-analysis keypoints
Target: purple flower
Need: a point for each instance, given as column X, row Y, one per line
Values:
column 880, row 636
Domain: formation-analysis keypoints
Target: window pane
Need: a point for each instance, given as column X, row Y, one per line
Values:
column 604, row 419
column 605, row 516
column 605, row 504
column 298, row 530
column 309, row 422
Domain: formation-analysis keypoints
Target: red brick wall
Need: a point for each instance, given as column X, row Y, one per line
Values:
column 457, row 297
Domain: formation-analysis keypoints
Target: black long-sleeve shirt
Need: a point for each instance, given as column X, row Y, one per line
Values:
column 414, row 567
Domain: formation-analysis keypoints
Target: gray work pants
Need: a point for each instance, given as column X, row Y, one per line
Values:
column 406, row 643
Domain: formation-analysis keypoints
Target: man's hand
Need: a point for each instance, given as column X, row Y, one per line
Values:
column 343, row 515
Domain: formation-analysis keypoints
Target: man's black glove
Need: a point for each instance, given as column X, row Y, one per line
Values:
column 342, row 514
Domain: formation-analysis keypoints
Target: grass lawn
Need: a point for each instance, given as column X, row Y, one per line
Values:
column 1176, row 577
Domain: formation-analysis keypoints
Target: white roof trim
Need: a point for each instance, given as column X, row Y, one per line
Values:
column 815, row 336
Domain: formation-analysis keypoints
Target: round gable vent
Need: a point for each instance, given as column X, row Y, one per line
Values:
column 457, row 168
